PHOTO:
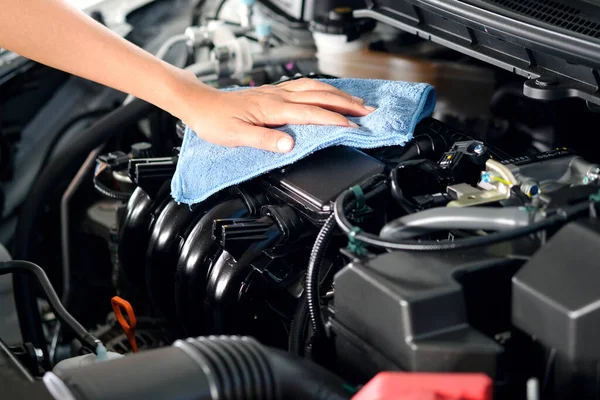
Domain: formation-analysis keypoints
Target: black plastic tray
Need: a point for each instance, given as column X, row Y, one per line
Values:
column 555, row 44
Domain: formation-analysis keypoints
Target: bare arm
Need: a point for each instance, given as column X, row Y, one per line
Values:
column 56, row 34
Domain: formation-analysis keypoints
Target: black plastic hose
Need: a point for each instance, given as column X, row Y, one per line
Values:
column 205, row 368
column 62, row 166
column 298, row 328
column 17, row 267
column 312, row 275
column 66, row 127
column 343, row 202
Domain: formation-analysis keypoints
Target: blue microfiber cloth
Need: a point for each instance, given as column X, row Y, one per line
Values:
column 205, row 168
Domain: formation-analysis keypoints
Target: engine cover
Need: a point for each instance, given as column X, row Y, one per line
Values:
column 436, row 312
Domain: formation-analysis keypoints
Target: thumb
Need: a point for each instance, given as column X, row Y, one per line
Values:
column 266, row 139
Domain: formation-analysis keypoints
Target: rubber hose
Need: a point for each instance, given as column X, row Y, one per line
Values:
column 205, row 368
column 65, row 128
column 298, row 328
column 63, row 166
column 312, row 275
column 565, row 215
column 17, row 267
column 451, row 218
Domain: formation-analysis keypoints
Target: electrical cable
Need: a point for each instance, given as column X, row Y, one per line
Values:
column 298, row 328
column 312, row 275
column 219, row 9
column 17, row 266
column 355, row 234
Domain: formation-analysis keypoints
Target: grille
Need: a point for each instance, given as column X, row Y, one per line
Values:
column 554, row 13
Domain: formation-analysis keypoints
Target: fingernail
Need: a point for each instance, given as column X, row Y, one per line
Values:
column 285, row 144
column 353, row 124
column 369, row 108
column 358, row 100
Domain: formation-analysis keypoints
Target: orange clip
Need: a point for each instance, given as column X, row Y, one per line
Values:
column 128, row 327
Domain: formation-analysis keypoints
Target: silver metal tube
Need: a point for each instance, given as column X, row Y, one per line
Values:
column 64, row 219
column 278, row 55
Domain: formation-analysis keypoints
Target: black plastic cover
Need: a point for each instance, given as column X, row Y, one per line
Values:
column 556, row 294
column 554, row 44
column 424, row 318
column 313, row 183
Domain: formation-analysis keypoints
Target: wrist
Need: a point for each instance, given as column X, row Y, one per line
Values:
column 186, row 95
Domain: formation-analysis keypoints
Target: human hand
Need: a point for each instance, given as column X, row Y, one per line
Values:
column 243, row 118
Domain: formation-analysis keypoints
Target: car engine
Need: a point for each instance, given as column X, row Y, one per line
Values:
column 458, row 266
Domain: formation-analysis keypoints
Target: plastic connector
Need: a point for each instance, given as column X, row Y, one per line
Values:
column 263, row 29
column 101, row 353
column 115, row 161
column 426, row 386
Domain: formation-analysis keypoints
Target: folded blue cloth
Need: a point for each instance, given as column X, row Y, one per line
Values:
column 205, row 168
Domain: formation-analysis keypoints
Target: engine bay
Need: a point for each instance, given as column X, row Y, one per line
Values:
column 467, row 255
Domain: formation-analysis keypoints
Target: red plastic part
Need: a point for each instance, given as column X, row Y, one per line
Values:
column 426, row 386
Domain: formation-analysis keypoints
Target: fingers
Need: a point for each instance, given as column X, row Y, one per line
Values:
column 300, row 114
column 305, row 84
column 265, row 139
column 330, row 101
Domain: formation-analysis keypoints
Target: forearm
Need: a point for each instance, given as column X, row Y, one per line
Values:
column 56, row 34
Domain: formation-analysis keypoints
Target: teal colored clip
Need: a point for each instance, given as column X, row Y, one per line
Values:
column 355, row 246
column 360, row 198
column 595, row 197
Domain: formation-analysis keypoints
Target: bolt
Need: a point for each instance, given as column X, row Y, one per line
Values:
column 485, row 177
column 479, row 149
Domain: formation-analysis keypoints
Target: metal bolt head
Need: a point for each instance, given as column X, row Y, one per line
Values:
column 479, row 149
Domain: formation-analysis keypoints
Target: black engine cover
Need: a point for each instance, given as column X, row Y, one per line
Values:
column 436, row 312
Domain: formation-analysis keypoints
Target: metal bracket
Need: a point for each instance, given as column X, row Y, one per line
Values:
column 474, row 197
column 552, row 89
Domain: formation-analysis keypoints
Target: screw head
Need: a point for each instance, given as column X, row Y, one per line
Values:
column 478, row 149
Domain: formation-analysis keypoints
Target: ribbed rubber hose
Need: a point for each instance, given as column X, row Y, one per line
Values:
column 205, row 368
column 108, row 192
column 312, row 275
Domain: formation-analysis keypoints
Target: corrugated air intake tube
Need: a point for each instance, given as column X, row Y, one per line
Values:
column 211, row 368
